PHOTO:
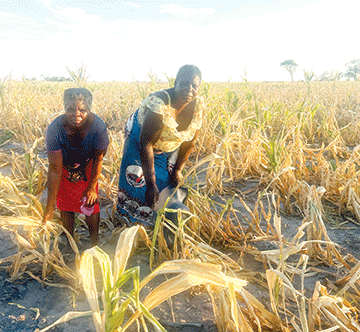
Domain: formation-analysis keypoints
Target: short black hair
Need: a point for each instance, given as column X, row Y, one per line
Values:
column 188, row 69
column 74, row 94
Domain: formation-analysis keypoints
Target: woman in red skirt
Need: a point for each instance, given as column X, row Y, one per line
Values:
column 76, row 143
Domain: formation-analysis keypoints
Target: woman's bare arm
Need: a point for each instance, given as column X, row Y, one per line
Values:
column 150, row 133
column 90, row 192
column 54, row 177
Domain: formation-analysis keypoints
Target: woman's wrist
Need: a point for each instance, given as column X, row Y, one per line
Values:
column 177, row 171
column 151, row 184
column 91, row 187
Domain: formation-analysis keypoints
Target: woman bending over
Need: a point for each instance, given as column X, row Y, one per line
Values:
column 76, row 143
column 160, row 136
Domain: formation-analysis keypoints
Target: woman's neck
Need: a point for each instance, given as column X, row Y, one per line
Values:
column 176, row 103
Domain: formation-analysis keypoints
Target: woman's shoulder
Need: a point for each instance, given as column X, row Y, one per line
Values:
column 54, row 133
column 98, row 125
column 98, row 121
column 57, row 121
column 56, row 124
column 156, row 102
column 163, row 95
column 99, row 133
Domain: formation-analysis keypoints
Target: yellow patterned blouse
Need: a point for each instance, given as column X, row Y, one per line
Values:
column 170, row 139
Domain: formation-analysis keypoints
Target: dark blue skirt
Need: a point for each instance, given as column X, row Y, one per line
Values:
column 132, row 185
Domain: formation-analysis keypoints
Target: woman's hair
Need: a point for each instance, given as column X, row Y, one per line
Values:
column 74, row 94
column 188, row 70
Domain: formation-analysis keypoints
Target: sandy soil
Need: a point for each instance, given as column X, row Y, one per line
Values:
column 27, row 305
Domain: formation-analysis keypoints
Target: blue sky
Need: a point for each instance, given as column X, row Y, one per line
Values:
column 125, row 40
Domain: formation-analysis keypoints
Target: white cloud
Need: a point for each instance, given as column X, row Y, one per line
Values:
column 15, row 28
column 75, row 15
column 134, row 5
column 47, row 3
column 206, row 11
column 185, row 11
column 319, row 36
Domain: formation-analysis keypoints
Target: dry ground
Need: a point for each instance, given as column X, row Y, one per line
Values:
column 28, row 305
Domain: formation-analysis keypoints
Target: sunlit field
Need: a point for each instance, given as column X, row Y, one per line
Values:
column 297, row 142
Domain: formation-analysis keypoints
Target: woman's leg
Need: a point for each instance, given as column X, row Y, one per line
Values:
column 68, row 220
column 92, row 222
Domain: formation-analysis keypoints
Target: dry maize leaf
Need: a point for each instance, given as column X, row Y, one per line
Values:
column 37, row 204
column 69, row 316
column 335, row 308
column 191, row 273
column 221, row 310
column 296, row 327
column 64, row 271
column 276, row 281
column 258, row 229
column 292, row 248
column 242, row 321
column 169, row 288
column 209, row 158
column 317, row 231
column 210, row 272
column 332, row 318
column 229, row 319
column 88, row 282
column 354, row 203
column 22, row 258
column 26, row 244
column 264, row 315
column 331, row 329
column 350, row 278
column 50, row 283
column 124, row 247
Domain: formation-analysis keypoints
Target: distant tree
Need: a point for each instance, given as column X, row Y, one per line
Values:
column 331, row 76
column 325, row 76
column 348, row 76
column 309, row 75
column 290, row 66
column 337, row 75
column 57, row 79
column 48, row 78
column 32, row 79
column 353, row 69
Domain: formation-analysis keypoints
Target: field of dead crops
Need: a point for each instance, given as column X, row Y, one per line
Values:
column 268, row 152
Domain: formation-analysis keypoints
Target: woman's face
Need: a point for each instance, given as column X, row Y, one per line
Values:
column 187, row 87
column 76, row 113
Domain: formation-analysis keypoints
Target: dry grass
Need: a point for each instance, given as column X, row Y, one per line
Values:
column 299, row 140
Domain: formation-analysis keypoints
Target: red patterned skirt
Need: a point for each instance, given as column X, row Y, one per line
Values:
column 70, row 193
